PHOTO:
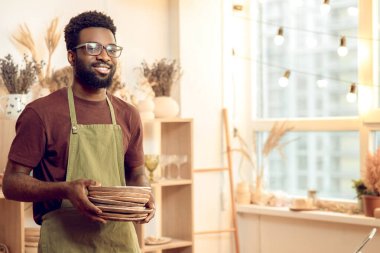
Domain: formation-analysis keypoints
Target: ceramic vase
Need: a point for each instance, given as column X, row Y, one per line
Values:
column 146, row 109
column 165, row 107
column 12, row 105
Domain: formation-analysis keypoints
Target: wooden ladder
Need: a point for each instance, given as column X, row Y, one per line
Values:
column 234, row 228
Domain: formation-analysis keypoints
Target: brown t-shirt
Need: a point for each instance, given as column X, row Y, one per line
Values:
column 43, row 133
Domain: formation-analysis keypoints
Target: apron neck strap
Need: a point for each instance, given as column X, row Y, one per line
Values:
column 73, row 116
column 113, row 118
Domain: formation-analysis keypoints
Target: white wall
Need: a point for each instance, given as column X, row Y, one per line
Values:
column 142, row 28
column 202, row 98
column 190, row 30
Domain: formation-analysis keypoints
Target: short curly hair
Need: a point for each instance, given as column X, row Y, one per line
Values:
column 85, row 20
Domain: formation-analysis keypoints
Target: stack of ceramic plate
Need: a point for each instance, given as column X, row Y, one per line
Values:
column 121, row 203
column 32, row 236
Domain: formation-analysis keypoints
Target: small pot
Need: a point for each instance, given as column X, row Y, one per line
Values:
column 370, row 203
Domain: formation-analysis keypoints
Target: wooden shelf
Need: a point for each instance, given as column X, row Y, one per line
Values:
column 172, row 136
column 12, row 224
column 171, row 245
column 167, row 120
column 171, row 182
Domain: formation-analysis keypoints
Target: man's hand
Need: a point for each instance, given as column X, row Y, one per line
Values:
column 77, row 194
column 149, row 205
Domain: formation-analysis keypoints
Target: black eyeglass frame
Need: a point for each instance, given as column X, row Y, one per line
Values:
column 119, row 49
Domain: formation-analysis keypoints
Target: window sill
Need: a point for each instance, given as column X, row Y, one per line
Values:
column 325, row 216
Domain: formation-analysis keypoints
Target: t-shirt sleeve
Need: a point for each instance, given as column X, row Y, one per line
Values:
column 29, row 144
column 134, row 156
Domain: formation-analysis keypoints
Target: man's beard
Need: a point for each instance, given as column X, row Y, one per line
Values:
column 89, row 78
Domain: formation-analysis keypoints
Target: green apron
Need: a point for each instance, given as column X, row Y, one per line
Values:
column 95, row 152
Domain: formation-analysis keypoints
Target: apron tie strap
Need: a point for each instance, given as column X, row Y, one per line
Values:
column 73, row 116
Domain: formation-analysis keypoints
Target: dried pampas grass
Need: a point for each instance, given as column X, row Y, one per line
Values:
column 24, row 38
column 273, row 142
column 51, row 40
column 372, row 173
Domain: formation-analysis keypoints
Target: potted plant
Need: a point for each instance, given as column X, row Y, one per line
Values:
column 160, row 77
column 360, row 190
column 371, row 180
column 17, row 81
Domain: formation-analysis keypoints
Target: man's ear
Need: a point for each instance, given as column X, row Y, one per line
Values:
column 71, row 57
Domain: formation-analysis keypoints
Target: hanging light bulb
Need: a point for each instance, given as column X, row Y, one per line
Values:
column 279, row 38
column 321, row 83
column 325, row 7
column 284, row 80
column 351, row 95
column 342, row 49
column 238, row 5
column 353, row 11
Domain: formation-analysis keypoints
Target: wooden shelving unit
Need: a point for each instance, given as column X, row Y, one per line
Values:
column 11, row 212
column 174, row 197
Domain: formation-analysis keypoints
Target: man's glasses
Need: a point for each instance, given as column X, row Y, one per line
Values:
column 95, row 49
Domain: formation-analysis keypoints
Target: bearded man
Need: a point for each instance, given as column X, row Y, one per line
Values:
column 78, row 137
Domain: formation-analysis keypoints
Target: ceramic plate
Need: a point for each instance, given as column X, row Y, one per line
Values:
column 114, row 218
column 138, row 189
column 124, row 215
column 31, row 244
column 303, row 209
column 118, row 194
column 120, row 198
column 156, row 240
column 115, row 209
column 32, row 238
column 115, row 202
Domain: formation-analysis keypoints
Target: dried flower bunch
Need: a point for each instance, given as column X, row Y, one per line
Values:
column 161, row 75
column 272, row 143
column 60, row 78
column 25, row 38
column 372, row 173
column 18, row 81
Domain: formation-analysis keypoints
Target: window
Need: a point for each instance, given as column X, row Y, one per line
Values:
column 325, row 154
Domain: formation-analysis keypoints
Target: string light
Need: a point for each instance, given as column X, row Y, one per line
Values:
column 322, row 83
column 353, row 11
column 342, row 49
column 351, row 95
column 238, row 5
column 284, row 80
column 325, row 7
column 279, row 38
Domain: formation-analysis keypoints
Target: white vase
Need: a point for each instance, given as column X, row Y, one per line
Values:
column 146, row 109
column 165, row 107
column 37, row 91
column 146, row 105
column 13, row 104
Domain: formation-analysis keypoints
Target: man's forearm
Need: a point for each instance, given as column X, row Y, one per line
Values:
column 22, row 187
column 137, row 177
